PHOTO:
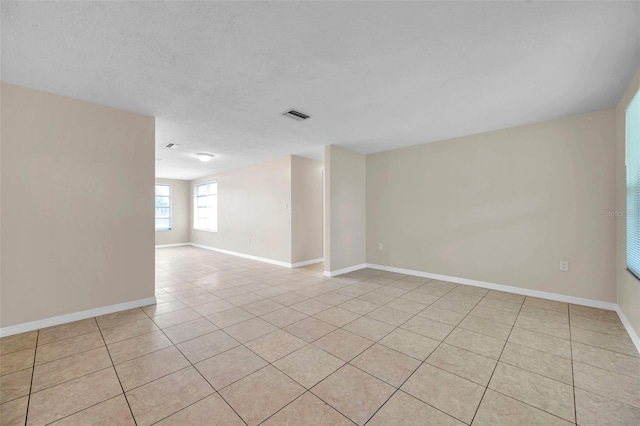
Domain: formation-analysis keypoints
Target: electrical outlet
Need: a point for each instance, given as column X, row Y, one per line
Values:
column 564, row 265
column 380, row 246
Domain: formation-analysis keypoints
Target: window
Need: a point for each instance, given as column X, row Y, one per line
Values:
column 205, row 207
column 633, row 185
column 163, row 207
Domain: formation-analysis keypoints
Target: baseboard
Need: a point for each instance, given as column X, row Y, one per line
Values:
column 610, row 306
column 307, row 262
column 630, row 331
column 245, row 256
column 172, row 245
column 76, row 316
column 344, row 270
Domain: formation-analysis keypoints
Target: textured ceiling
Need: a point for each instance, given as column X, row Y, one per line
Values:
column 374, row 76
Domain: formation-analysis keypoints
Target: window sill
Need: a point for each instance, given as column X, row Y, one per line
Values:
column 633, row 274
column 205, row 230
column 163, row 230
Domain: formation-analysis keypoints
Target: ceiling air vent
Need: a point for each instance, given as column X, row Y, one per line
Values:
column 296, row 115
column 172, row 145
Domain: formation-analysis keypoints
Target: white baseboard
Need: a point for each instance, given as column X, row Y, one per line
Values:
column 172, row 245
column 344, row 270
column 246, row 256
column 630, row 331
column 610, row 306
column 249, row 256
column 76, row 316
column 307, row 262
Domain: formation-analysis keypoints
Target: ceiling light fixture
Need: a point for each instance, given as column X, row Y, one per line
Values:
column 204, row 157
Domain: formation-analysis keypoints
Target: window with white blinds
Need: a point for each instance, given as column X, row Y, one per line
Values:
column 205, row 206
column 163, row 207
column 633, row 185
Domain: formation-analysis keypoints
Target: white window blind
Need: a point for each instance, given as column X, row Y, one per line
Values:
column 163, row 207
column 205, row 207
column 633, row 185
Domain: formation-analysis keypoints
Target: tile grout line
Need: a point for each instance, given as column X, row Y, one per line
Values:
column 361, row 315
column 116, row 372
column 498, row 361
column 307, row 344
column 573, row 372
column 377, row 342
column 312, row 316
column 33, row 372
column 215, row 391
column 84, row 409
column 425, row 360
column 306, row 391
column 524, row 402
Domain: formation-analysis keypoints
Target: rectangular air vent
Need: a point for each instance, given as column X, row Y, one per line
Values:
column 296, row 115
column 172, row 145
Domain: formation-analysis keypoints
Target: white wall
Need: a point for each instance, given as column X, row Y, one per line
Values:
column 502, row 207
column 77, row 190
column 254, row 211
column 345, row 205
column 180, row 213
column 306, row 209
column 628, row 286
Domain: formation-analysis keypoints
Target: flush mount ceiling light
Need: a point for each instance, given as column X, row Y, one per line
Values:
column 204, row 157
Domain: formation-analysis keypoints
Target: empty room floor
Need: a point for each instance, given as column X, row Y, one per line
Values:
column 234, row 341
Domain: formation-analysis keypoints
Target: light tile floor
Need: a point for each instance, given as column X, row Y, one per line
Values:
column 233, row 341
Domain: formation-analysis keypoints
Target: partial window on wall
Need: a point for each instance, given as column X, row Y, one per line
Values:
column 163, row 207
column 205, row 207
column 633, row 185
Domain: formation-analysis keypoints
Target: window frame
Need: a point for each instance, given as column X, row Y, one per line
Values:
column 632, row 214
column 196, row 205
column 170, row 196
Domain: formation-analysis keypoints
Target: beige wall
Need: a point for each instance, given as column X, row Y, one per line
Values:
column 345, row 205
column 502, row 207
column 254, row 211
column 77, row 190
column 306, row 209
column 628, row 286
column 180, row 213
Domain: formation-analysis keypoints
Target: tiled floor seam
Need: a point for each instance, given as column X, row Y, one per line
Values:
column 496, row 366
column 398, row 389
column 33, row 369
column 605, row 349
column 117, row 376
column 198, row 371
column 39, row 364
column 339, row 368
column 540, row 332
column 300, row 396
column 72, row 379
column 533, row 406
column 84, row 409
column 193, row 403
column 573, row 373
column 207, row 288
column 526, row 403
column 70, row 337
column 13, row 352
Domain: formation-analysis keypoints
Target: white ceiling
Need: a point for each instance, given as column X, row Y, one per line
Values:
column 373, row 76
